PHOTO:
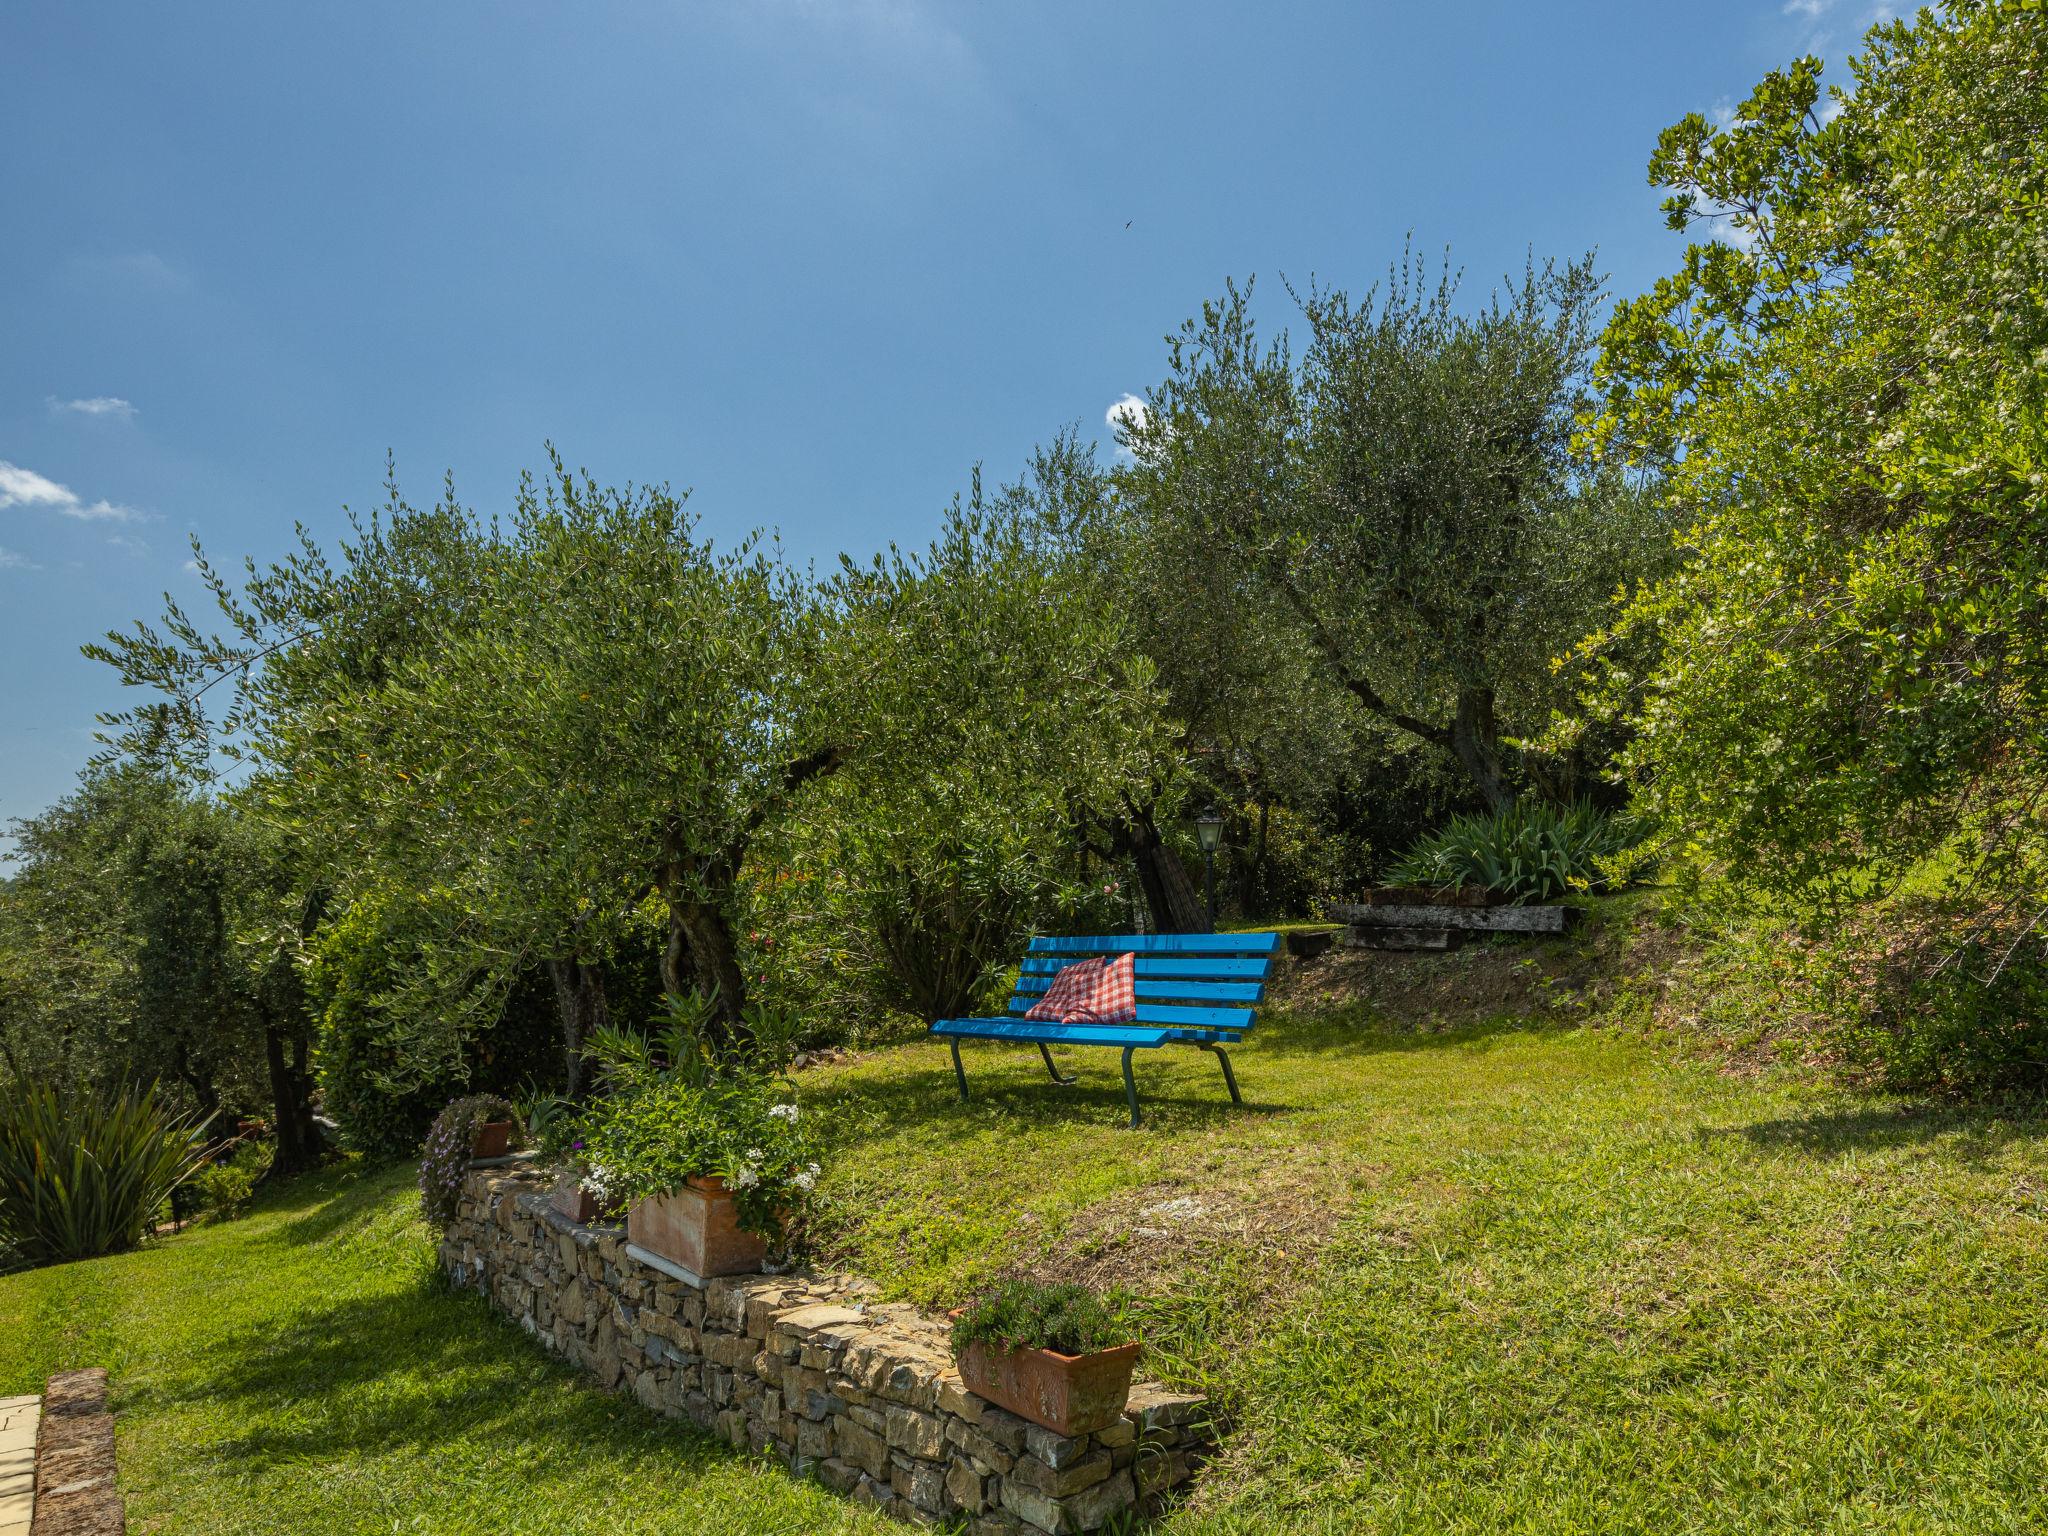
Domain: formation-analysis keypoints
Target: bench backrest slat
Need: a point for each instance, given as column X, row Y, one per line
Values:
column 1159, row 967
column 1161, row 944
column 1172, row 991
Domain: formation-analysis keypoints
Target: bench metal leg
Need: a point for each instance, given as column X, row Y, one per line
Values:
column 1065, row 1079
column 1131, row 1086
column 1229, row 1077
column 959, row 1071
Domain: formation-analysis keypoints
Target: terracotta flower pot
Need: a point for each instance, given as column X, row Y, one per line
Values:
column 1067, row 1394
column 493, row 1139
column 579, row 1204
column 698, row 1228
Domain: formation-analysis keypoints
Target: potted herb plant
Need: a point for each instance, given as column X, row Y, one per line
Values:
column 713, row 1173
column 479, row 1125
column 1057, row 1355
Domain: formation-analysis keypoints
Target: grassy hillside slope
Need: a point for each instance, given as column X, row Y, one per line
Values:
column 1481, row 1255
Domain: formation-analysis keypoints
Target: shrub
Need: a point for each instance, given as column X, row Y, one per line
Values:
column 86, row 1174
column 1529, row 851
column 1022, row 1314
column 447, row 1154
column 1973, row 1022
column 226, row 1184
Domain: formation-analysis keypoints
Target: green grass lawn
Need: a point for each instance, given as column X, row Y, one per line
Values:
column 1482, row 1254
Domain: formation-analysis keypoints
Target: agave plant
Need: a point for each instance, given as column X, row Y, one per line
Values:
column 84, row 1174
column 1528, row 852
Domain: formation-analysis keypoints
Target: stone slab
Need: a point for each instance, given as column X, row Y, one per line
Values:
column 1442, row 939
column 1548, row 919
column 19, row 1419
column 668, row 1267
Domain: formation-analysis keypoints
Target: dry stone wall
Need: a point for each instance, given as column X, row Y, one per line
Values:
column 859, row 1394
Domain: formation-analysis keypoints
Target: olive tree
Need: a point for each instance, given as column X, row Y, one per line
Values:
column 1002, row 714
column 637, row 707
column 1404, row 497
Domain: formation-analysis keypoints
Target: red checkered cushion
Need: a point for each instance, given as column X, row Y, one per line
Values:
column 1099, row 991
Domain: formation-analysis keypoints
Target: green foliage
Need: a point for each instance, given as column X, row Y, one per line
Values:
column 152, row 931
column 550, row 1124
column 652, row 1137
column 225, row 1185
column 1977, row 1024
column 385, row 1069
column 959, row 828
column 1022, row 1314
column 451, row 1142
column 1402, row 507
column 85, row 1173
column 1531, row 851
column 1847, row 393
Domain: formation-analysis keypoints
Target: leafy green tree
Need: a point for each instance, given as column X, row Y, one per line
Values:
column 637, row 707
column 1845, row 383
column 157, row 932
column 302, row 693
column 1001, row 714
column 1266, row 736
column 1402, row 503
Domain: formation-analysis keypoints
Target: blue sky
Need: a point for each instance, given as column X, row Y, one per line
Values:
column 813, row 258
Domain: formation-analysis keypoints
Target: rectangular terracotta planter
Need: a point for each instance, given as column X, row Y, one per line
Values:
column 493, row 1139
column 1067, row 1394
column 698, row 1228
column 577, row 1203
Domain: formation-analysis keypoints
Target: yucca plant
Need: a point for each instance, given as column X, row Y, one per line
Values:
column 1528, row 852
column 84, row 1174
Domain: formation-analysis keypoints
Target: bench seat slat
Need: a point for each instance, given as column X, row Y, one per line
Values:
column 1169, row 991
column 1161, row 944
column 1029, row 1030
column 1237, row 1020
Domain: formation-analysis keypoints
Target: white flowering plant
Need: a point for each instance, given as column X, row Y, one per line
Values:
column 747, row 1131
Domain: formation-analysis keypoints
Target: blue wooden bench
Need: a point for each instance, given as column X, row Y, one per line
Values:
column 1193, row 989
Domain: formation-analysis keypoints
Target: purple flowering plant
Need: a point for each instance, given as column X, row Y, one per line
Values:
column 445, row 1158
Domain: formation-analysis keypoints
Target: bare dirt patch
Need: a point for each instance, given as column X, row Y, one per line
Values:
column 1483, row 981
column 1148, row 1239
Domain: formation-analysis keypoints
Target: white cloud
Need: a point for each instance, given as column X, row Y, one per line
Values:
column 96, row 405
column 1127, row 414
column 25, row 488
column 11, row 560
column 129, row 544
column 101, row 512
column 1722, row 112
column 191, row 568
column 1812, row 10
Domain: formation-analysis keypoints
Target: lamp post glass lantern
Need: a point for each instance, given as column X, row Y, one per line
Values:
column 1209, row 833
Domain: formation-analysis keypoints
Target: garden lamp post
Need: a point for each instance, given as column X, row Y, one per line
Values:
column 1209, row 833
